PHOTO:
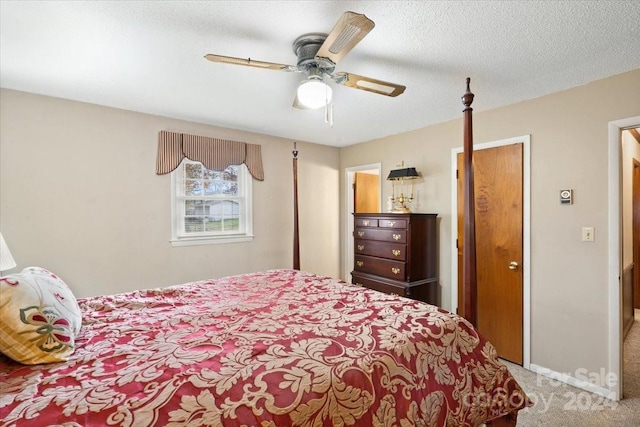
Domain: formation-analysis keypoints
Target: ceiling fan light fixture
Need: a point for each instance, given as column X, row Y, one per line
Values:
column 314, row 93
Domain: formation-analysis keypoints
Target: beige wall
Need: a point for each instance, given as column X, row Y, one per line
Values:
column 630, row 151
column 79, row 196
column 569, row 149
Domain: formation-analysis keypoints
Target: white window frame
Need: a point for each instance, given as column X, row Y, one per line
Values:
column 208, row 238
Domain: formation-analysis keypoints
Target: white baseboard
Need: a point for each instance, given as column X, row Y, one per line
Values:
column 573, row 381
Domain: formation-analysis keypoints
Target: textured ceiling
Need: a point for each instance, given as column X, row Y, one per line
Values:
column 147, row 56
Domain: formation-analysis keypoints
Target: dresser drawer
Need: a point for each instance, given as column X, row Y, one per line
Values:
column 378, row 286
column 392, row 223
column 422, row 290
column 366, row 222
column 397, row 251
column 381, row 267
column 385, row 235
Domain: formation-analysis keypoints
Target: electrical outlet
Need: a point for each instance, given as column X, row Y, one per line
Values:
column 588, row 234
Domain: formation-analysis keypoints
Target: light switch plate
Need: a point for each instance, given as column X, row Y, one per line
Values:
column 588, row 234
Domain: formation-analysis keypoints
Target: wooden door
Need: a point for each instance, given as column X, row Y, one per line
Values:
column 636, row 235
column 366, row 193
column 498, row 178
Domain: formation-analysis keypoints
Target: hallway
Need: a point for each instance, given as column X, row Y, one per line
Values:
column 631, row 378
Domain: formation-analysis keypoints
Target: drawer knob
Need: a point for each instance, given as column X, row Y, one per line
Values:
column 396, row 252
column 392, row 223
column 361, row 247
column 395, row 270
column 366, row 223
column 359, row 263
column 396, row 237
column 360, row 233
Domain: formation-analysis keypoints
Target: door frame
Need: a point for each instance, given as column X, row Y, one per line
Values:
column 349, row 178
column 615, row 251
column 526, row 235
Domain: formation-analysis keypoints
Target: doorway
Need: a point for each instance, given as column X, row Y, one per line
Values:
column 350, row 180
column 630, row 253
column 522, row 270
column 366, row 192
column 616, row 347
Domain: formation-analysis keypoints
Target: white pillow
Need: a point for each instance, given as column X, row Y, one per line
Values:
column 39, row 317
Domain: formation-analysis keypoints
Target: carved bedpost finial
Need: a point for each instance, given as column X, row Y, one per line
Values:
column 295, row 150
column 467, row 98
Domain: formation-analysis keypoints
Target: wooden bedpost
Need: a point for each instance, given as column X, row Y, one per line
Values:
column 296, row 233
column 469, row 275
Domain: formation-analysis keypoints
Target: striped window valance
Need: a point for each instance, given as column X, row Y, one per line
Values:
column 213, row 153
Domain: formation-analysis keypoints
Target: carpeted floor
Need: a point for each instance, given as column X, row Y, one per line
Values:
column 561, row 405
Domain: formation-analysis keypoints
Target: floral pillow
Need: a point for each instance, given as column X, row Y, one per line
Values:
column 39, row 317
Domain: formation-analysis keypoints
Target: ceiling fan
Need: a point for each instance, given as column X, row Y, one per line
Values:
column 318, row 54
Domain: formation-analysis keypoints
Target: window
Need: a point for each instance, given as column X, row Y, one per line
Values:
column 211, row 206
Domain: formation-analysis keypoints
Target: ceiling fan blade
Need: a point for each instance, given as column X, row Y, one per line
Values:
column 349, row 30
column 368, row 84
column 250, row 62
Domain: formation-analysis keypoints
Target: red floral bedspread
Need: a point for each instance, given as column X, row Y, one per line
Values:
column 278, row 348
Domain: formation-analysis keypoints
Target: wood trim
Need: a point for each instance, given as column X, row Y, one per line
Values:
column 507, row 420
column 635, row 231
column 627, row 299
column 469, row 284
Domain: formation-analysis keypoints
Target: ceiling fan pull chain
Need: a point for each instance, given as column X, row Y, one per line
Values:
column 328, row 107
column 328, row 113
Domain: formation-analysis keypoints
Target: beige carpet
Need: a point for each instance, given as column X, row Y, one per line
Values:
column 561, row 405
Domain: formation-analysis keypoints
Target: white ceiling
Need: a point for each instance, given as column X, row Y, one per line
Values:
column 147, row 56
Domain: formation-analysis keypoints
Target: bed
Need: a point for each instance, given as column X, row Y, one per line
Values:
column 274, row 348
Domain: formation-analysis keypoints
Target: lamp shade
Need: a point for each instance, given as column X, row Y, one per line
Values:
column 314, row 93
column 6, row 260
column 406, row 173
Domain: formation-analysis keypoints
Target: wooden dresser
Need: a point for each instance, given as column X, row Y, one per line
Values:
column 397, row 254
